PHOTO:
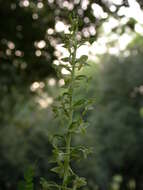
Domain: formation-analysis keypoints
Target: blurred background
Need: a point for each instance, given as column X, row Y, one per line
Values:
column 30, row 44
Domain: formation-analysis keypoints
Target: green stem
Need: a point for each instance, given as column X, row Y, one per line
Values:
column 67, row 160
column 68, row 138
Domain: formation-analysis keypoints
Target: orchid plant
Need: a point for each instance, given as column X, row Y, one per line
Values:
column 66, row 109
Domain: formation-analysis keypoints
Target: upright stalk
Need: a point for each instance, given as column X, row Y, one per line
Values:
column 66, row 109
column 69, row 135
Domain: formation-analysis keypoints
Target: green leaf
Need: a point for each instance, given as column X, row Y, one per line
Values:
column 56, row 140
column 59, row 170
column 48, row 185
column 73, row 126
column 78, row 126
column 88, row 106
column 78, row 152
column 65, row 59
column 83, row 127
column 56, row 169
column 82, row 59
column 79, row 102
column 86, row 151
column 44, row 183
column 80, row 182
column 58, row 156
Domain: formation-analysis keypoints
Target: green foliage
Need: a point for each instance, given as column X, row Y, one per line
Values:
column 66, row 107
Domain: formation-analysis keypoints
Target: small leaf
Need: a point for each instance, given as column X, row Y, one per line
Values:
column 86, row 151
column 73, row 126
column 79, row 102
column 58, row 156
column 48, row 185
column 80, row 182
column 56, row 169
column 59, row 170
column 82, row 59
column 56, row 140
column 65, row 59
column 83, row 127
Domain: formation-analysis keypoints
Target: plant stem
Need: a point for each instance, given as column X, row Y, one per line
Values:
column 69, row 136
column 67, row 160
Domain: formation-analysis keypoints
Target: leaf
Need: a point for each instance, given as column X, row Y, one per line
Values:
column 59, row 170
column 83, row 127
column 92, row 39
column 75, row 154
column 56, row 169
column 73, row 126
column 78, row 152
column 56, row 140
column 78, row 126
column 44, row 183
column 79, row 102
column 88, row 106
column 58, row 156
column 86, row 151
column 48, row 185
column 65, row 59
column 80, row 182
column 82, row 59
